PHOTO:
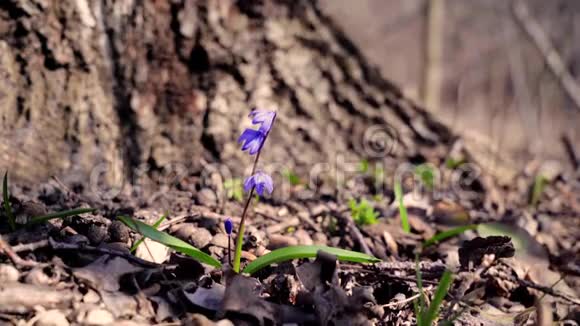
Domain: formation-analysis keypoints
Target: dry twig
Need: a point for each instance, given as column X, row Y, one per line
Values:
column 407, row 300
column 126, row 255
column 6, row 249
column 354, row 231
column 548, row 290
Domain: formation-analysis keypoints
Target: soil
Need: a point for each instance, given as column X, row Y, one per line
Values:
column 81, row 271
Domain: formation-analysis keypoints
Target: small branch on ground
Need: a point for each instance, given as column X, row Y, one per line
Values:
column 280, row 227
column 304, row 217
column 31, row 246
column 354, row 230
column 128, row 256
column 208, row 213
column 394, row 304
column 6, row 249
column 548, row 290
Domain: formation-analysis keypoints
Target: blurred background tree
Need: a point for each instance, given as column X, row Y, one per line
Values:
column 503, row 74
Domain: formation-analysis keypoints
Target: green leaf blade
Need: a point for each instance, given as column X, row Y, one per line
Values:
column 7, row 206
column 440, row 294
column 448, row 234
column 298, row 252
column 170, row 241
column 72, row 212
column 402, row 209
column 540, row 182
column 155, row 225
column 420, row 307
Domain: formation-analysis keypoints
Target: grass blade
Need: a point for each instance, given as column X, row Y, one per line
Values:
column 72, row 212
column 417, row 311
column 7, row 206
column 440, row 294
column 448, row 234
column 297, row 252
column 170, row 241
column 540, row 183
column 402, row 208
column 155, row 225
column 419, row 308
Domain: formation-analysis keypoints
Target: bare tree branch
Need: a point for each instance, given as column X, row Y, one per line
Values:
column 551, row 56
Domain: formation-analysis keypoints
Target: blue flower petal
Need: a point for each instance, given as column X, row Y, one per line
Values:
column 269, row 185
column 229, row 226
column 260, row 189
column 264, row 118
column 260, row 181
column 252, row 140
column 248, row 183
column 255, row 146
column 249, row 135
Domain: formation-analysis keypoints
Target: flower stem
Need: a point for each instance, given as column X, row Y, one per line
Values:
column 242, row 227
column 230, row 249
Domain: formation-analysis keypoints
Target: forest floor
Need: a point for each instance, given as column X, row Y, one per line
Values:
column 79, row 270
column 178, row 96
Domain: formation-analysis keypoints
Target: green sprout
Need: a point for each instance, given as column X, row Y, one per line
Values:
column 426, row 174
column 540, row 183
column 429, row 316
column 234, row 189
column 426, row 316
column 448, row 234
column 292, row 177
column 377, row 197
column 402, row 208
column 452, row 163
column 377, row 172
column 363, row 212
column 363, row 166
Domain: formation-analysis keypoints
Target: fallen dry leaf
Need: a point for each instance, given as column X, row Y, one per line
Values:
column 210, row 299
column 152, row 251
column 474, row 250
column 105, row 272
column 531, row 260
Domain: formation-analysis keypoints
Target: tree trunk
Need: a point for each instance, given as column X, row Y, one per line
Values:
column 112, row 87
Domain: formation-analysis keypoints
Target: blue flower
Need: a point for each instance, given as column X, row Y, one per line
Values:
column 229, row 226
column 264, row 118
column 261, row 181
column 252, row 140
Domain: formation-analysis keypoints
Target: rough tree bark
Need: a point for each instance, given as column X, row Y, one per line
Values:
column 123, row 84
